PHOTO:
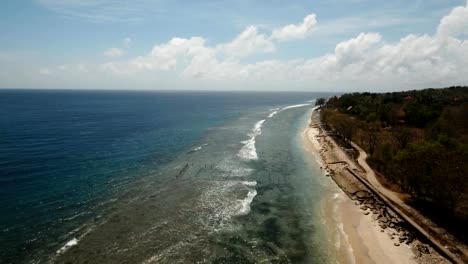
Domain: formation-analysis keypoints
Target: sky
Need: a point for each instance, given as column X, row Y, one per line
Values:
column 303, row 45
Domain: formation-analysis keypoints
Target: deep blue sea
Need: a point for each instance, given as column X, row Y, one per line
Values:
column 154, row 177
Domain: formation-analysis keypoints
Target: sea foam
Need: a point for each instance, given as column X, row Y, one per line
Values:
column 250, row 183
column 248, row 151
column 245, row 204
column 233, row 168
column 273, row 113
column 293, row 106
column 225, row 200
column 68, row 245
column 197, row 148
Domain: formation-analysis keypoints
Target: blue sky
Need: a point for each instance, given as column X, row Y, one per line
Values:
column 233, row 44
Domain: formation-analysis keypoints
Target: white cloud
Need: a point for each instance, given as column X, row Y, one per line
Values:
column 113, row 53
column 194, row 58
column 165, row 56
column 414, row 61
column 354, row 49
column 197, row 58
column 247, row 43
column 454, row 24
column 366, row 60
column 362, row 62
column 299, row 31
column 118, row 52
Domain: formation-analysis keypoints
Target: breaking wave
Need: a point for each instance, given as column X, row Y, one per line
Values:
column 248, row 151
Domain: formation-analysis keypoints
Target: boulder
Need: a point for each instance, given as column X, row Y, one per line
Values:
column 363, row 194
column 423, row 249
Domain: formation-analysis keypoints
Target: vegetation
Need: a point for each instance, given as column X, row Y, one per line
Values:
column 417, row 139
column 320, row 102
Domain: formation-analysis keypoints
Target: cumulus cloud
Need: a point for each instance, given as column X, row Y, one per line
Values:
column 414, row 60
column 165, row 56
column 454, row 24
column 118, row 52
column 247, row 43
column 293, row 32
column 364, row 61
column 113, row 53
column 354, row 49
column 198, row 58
column 367, row 59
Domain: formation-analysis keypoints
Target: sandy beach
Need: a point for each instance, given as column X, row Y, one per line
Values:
column 362, row 228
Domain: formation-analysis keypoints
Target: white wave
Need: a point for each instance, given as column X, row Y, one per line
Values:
column 293, row 106
column 258, row 127
column 75, row 216
column 274, row 111
column 197, row 148
column 248, row 151
column 225, row 200
column 251, row 184
column 272, row 114
column 233, row 168
column 68, row 245
column 245, row 204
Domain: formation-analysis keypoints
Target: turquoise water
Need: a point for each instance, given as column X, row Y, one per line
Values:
column 158, row 177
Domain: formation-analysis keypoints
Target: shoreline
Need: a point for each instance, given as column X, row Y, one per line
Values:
column 371, row 232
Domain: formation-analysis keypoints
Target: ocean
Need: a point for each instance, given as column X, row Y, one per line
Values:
column 158, row 177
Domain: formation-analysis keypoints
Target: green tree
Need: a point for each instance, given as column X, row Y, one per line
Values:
column 320, row 102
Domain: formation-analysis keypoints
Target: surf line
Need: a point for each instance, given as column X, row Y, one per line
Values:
column 248, row 151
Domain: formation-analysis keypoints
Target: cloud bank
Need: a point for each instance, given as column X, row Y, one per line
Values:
column 366, row 60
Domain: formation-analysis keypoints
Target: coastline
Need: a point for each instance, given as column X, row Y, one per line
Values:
column 363, row 228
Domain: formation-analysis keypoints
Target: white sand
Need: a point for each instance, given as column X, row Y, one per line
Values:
column 357, row 238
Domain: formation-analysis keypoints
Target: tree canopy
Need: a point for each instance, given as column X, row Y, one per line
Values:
column 416, row 139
